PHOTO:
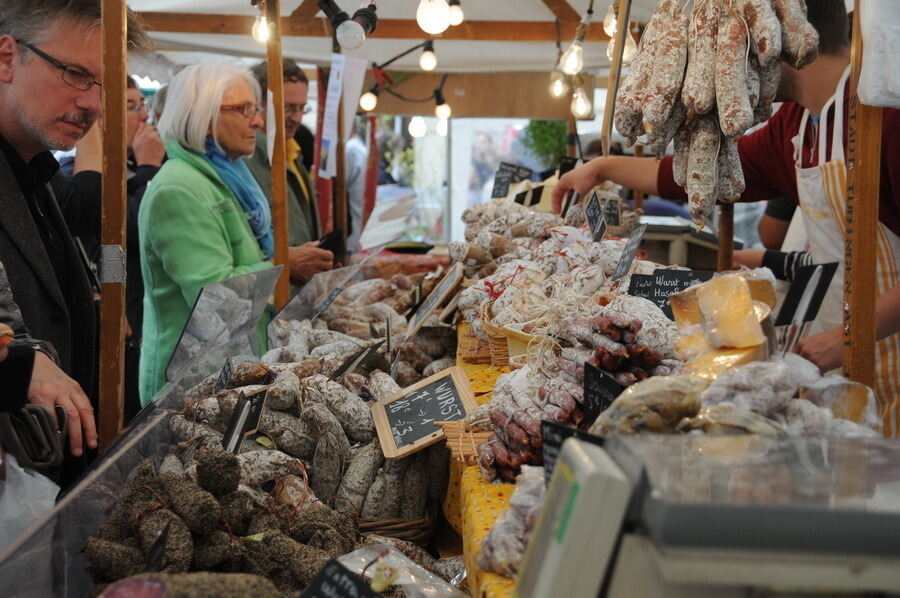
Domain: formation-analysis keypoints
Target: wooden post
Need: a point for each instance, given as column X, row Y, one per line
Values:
column 112, row 234
column 863, row 189
column 279, row 161
column 615, row 69
column 571, row 137
column 638, row 195
column 340, row 177
column 726, row 236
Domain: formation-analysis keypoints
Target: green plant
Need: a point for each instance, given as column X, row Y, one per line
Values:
column 546, row 140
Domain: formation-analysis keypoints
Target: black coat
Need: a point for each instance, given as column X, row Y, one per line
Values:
column 64, row 317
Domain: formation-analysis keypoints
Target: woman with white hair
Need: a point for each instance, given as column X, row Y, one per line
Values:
column 203, row 218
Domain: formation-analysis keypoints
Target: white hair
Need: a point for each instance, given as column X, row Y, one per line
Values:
column 194, row 99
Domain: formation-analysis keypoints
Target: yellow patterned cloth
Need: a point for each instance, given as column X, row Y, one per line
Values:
column 482, row 503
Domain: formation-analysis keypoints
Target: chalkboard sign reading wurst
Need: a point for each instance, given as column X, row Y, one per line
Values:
column 406, row 422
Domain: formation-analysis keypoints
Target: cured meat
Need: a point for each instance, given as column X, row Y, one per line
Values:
column 664, row 84
column 701, row 180
column 699, row 92
column 799, row 39
column 765, row 29
column 732, row 99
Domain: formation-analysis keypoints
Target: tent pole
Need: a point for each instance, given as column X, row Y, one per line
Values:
column 279, row 161
column 863, row 181
column 340, row 177
column 726, row 236
column 112, row 234
column 615, row 70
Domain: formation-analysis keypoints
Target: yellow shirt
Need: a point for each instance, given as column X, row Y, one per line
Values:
column 292, row 149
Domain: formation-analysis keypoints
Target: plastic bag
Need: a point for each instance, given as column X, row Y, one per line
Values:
column 879, row 81
column 25, row 497
column 415, row 581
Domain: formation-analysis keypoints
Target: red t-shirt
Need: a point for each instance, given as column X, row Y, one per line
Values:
column 767, row 156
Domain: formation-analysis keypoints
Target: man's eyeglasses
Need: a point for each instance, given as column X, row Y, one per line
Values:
column 292, row 109
column 73, row 77
column 247, row 110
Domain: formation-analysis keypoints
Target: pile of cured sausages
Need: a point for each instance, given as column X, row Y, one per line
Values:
column 703, row 80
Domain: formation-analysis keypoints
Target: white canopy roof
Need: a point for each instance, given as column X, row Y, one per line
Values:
column 454, row 55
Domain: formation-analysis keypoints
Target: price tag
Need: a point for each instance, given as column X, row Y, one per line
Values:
column 629, row 253
column 612, row 211
column 354, row 361
column 567, row 164
column 337, row 581
column 224, row 376
column 502, row 183
column 806, row 293
column 600, row 390
column 244, row 419
column 664, row 282
column 553, row 435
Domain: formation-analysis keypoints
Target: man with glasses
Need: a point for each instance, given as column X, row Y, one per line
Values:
column 50, row 76
column 303, row 219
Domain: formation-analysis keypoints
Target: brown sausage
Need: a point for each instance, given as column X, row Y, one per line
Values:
column 664, row 84
column 701, row 181
column 699, row 91
column 799, row 39
column 765, row 29
column 735, row 111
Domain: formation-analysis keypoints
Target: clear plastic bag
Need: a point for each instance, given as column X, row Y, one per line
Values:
column 415, row 581
column 879, row 81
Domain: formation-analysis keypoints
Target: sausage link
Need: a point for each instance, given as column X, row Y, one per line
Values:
column 735, row 111
column 699, row 91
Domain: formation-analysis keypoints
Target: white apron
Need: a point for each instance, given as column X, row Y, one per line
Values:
column 822, row 190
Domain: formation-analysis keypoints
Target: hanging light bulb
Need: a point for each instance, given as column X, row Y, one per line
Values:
column 442, row 127
column 433, row 16
column 369, row 100
column 350, row 32
column 559, row 86
column 260, row 30
column 456, row 13
column 417, row 127
column 350, row 35
column 628, row 54
column 428, row 59
column 572, row 60
column 441, row 108
column 581, row 106
column 609, row 21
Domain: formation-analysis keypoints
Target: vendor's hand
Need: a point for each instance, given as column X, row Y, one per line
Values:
column 50, row 387
column 825, row 349
column 581, row 179
column 751, row 258
column 5, row 338
column 308, row 260
column 148, row 148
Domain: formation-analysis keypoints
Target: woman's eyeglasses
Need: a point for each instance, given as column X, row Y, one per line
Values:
column 246, row 110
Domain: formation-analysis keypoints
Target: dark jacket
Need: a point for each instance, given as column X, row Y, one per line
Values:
column 65, row 317
column 14, row 383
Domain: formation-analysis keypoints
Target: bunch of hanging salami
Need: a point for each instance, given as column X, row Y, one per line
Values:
column 703, row 80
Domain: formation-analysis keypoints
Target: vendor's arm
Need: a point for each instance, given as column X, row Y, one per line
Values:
column 638, row 174
column 826, row 349
column 191, row 239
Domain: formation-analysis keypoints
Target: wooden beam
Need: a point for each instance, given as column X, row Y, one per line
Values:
column 306, row 10
column 526, row 31
column 562, row 10
column 279, row 161
column 861, row 232
column 112, row 224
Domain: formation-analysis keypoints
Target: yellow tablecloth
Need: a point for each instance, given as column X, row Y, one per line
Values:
column 482, row 503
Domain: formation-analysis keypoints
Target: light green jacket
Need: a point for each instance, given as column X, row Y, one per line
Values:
column 193, row 233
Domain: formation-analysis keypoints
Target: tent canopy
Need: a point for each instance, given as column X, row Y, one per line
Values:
column 497, row 35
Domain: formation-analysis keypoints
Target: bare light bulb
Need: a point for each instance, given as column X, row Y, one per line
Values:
column 628, row 54
column 428, row 60
column 609, row 21
column 417, row 127
column 368, row 101
column 442, row 111
column 433, row 16
column 260, row 29
column 350, row 35
column 572, row 60
column 456, row 13
column 442, row 127
column 558, row 84
column 581, row 104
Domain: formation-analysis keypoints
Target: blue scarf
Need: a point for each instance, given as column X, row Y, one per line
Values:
column 237, row 176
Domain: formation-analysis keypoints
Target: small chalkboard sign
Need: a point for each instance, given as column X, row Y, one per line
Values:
column 244, row 419
column 806, row 293
column 351, row 363
column 553, row 435
column 448, row 312
column 593, row 210
column 337, row 581
column 571, row 199
column 629, row 253
column 519, row 173
column 568, row 163
column 224, row 376
column 612, row 211
column 530, row 198
column 600, row 390
column 664, row 282
column 406, row 421
column 502, row 183
column 437, row 296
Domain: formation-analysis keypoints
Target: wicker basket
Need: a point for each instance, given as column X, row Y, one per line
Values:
column 496, row 337
column 418, row 532
column 462, row 443
column 472, row 349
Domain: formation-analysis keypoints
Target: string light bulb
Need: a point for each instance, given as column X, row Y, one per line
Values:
column 417, row 127
column 609, row 21
column 369, row 100
column 433, row 16
column 260, row 29
column 572, row 60
column 630, row 49
column 428, row 60
column 350, row 32
column 581, row 106
column 456, row 13
column 559, row 86
column 441, row 108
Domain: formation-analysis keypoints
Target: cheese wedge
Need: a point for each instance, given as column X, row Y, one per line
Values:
column 728, row 315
